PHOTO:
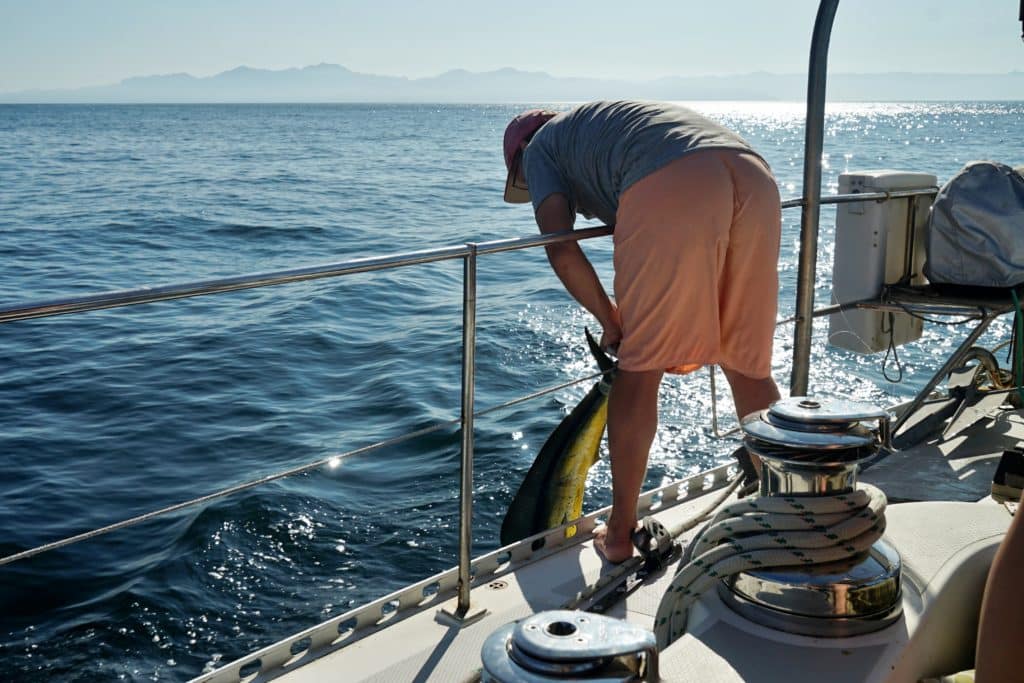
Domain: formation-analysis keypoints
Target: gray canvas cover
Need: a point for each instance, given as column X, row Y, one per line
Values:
column 975, row 230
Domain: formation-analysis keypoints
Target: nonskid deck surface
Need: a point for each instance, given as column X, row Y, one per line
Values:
column 423, row 648
column 427, row 647
column 959, row 468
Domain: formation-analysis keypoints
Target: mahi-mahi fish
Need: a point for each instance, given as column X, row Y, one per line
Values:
column 552, row 492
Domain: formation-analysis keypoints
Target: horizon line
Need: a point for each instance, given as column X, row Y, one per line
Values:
column 285, row 103
column 1012, row 72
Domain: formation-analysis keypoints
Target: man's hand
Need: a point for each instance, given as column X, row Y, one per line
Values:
column 612, row 331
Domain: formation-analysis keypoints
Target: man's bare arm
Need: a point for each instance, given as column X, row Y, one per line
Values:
column 574, row 269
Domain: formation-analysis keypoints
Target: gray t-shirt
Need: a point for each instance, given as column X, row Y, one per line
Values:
column 594, row 152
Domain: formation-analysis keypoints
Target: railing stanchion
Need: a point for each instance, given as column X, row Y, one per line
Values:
column 462, row 615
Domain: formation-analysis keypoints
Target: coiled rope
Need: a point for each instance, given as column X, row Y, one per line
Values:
column 772, row 531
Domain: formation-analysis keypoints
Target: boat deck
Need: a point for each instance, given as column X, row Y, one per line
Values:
column 432, row 649
column 959, row 468
column 425, row 645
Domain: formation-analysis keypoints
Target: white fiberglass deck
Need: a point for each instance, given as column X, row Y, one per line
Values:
column 424, row 646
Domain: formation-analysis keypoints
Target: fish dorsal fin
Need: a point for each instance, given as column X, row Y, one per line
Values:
column 604, row 361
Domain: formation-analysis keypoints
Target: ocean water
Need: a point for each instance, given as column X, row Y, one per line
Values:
column 115, row 413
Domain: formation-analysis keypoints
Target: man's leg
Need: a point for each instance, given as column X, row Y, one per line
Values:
column 632, row 423
column 748, row 295
column 749, row 394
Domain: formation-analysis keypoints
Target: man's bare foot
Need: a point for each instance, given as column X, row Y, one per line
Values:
column 614, row 548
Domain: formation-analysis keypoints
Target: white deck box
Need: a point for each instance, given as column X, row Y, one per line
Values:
column 877, row 243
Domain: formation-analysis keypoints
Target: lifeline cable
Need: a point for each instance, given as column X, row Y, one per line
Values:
column 301, row 469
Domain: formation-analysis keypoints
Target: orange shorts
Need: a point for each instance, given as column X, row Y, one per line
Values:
column 696, row 253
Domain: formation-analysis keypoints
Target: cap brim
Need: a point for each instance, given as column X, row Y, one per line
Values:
column 513, row 194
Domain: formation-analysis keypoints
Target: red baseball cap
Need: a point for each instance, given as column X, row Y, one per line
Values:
column 520, row 130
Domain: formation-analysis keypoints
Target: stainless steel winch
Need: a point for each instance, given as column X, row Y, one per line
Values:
column 815, row 447
column 569, row 645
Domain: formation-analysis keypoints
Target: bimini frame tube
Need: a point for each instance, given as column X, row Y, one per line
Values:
column 813, row 143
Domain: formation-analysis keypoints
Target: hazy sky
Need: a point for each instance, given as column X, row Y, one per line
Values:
column 57, row 44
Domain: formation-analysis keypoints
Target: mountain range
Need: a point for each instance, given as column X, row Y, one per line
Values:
column 335, row 83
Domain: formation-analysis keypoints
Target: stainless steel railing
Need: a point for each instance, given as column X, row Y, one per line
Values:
column 466, row 468
column 143, row 295
column 469, row 253
column 814, row 131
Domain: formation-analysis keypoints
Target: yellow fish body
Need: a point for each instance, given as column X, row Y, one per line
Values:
column 552, row 492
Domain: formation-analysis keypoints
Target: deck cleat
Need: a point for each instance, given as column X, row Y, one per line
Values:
column 655, row 544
